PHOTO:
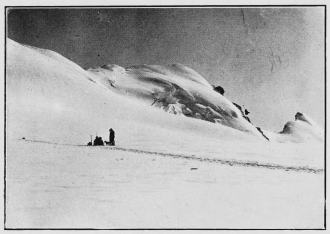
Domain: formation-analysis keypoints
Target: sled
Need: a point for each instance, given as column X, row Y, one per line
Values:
column 110, row 143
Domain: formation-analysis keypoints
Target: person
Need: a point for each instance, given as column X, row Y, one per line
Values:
column 112, row 137
column 101, row 141
column 96, row 140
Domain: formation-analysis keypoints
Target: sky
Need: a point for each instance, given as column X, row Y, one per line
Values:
column 268, row 60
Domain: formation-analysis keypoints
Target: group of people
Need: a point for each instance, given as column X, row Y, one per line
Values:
column 98, row 140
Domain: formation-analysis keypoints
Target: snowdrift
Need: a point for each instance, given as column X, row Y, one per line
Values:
column 51, row 98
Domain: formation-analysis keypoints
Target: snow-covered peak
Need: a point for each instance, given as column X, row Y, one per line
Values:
column 303, row 117
column 174, row 85
column 302, row 129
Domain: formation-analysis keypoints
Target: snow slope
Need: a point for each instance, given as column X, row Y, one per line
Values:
column 180, row 90
column 61, row 91
column 53, row 182
column 51, row 98
column 174, row 88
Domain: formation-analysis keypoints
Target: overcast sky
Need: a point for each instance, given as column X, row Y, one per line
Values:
column 269, row 60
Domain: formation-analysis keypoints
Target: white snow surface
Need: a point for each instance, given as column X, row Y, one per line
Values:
column 167, row 170
column 303, row 129
column 60, row 186
column 174, row 88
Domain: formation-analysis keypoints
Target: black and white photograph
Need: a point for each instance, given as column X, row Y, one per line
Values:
column 142, row 117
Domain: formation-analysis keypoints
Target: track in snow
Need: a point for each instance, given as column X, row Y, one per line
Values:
column 231, row 162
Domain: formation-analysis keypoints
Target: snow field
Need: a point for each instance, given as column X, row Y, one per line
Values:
column 57, row 186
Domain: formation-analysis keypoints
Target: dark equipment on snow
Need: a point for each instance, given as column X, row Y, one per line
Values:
column 98, row 141
column 90, row 143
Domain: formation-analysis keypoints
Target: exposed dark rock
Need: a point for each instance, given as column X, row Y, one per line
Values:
column 298, row 116
column 239, row 107
column 244, row 113
column 259, row 129
column 219, row 89
column 247, row 118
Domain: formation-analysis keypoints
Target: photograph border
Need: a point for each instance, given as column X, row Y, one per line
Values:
column 166, row 6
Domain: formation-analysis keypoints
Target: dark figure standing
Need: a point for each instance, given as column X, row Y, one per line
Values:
column 101, row 141
column 96, row 140
column 112, row 137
